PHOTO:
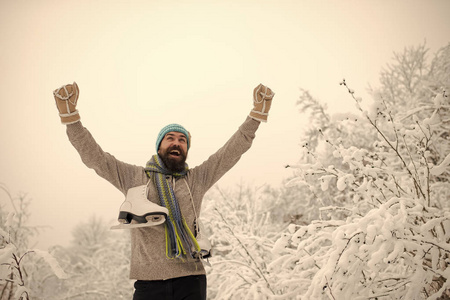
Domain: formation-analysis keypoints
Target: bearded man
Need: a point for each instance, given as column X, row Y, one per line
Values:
column 163, row 199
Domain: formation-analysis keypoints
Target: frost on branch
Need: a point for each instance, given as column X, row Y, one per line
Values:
column 380, row 181
column 243, row 230
column 52, row 262
column 389, row 237
column 19, row 266
column 442, row 167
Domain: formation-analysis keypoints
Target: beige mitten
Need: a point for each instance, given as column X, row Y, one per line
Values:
column 262, row 100
column 66, row 98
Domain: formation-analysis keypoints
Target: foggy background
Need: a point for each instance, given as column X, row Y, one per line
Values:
column 143, row 64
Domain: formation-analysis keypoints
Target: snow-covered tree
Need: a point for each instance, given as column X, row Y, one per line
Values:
column 97, row 262
column 23, row 271
column 385, row 232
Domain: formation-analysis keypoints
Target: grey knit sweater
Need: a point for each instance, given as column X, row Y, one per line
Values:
column 148, row 258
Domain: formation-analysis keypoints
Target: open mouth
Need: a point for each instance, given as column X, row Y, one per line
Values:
column 175, row 153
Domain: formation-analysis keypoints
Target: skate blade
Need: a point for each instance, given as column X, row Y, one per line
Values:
column 206, row 262
column 138, row 225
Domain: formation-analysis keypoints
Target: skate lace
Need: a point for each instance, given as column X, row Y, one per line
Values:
column 200, row 253
column 196, row 227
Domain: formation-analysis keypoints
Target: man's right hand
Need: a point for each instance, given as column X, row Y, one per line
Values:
column 66, row 98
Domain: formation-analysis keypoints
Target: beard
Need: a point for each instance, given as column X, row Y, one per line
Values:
column 174, row 164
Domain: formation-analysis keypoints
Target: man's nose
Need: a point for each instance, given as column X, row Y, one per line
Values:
column 176, row 142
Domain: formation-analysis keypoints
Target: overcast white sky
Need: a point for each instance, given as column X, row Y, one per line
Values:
column 143, row 64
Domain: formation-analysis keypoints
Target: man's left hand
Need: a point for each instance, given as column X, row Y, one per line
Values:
column 262, row 100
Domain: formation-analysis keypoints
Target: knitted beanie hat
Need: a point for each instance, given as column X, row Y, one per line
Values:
column 170, row 128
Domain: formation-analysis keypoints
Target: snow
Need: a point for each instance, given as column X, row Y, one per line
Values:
column 439, row 100
column 325, row 181
column 52, row 262
column 9, row 220
column 21, row 291
column 371, row 221
column 6, row 259
column 345, row 181
column 442, row 167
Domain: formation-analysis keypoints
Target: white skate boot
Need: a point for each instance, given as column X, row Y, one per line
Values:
column 203, row 242
column 137, row 211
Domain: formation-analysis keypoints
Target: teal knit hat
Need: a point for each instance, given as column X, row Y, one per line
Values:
column 170, row 128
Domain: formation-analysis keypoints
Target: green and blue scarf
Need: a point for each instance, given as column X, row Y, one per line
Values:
column 179, row 239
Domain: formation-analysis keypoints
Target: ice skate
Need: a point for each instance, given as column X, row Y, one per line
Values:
column 137, row 211
column 203, row 242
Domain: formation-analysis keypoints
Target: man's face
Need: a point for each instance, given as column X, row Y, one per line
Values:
column 173, row 151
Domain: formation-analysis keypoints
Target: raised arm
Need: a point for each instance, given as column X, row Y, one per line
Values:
column 210, row 171
column 122, row 175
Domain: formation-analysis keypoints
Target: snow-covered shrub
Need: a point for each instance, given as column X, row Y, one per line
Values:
column 23, row 271
column 392, row 239
column 383, row 230
column 242, row 236
column 97, row 261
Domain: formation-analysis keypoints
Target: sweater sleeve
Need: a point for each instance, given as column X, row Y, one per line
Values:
column 118, row 173
column 210, row 171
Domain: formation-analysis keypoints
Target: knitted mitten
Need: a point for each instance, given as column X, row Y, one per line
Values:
column 66, row 98
column 262, row 100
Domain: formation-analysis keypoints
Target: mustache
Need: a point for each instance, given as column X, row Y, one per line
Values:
column 178, row 148
column 175, row 147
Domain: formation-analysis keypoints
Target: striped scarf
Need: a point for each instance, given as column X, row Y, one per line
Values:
column 179, row 239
